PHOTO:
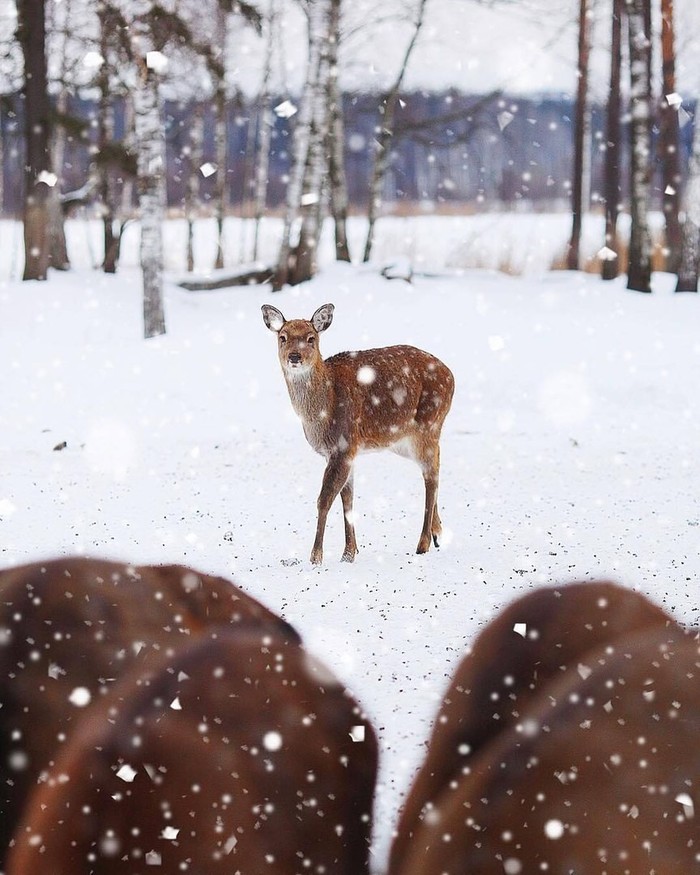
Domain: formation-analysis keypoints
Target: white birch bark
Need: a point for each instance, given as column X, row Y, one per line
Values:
column 150, row 145
column 265, row 127
column 194, row 163
column 639, row 269
column 690, row 245
column 299, row 180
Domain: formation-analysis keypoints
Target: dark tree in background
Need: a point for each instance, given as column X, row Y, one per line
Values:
column 611, row 263
column 31, row 33
column 580, row 139
column 690, row 250
column 669, row 140
column 639, row 270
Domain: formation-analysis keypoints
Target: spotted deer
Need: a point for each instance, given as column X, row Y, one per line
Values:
column 394, row 398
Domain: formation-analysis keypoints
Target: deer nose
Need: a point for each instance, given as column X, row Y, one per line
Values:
column 294, row 358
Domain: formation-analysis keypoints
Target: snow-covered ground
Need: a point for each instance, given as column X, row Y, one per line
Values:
column 571, row 452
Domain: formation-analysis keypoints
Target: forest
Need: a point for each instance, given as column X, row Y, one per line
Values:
column 133, row 150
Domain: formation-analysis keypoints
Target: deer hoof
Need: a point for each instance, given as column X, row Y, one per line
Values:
column 316, row 557
column 435, row 541
column 348, row 556
column 423, row 546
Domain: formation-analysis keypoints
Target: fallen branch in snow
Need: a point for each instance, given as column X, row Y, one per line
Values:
column 244, row 275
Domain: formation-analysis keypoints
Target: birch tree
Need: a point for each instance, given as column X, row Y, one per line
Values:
column 336, row 140
column 690, row 247
column 266, row 122
column 150, row 157
column 611, row 261
column 298, row 262
column 639, row 270
column 386, row 131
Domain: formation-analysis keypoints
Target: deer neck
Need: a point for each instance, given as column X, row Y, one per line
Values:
column 311, row 394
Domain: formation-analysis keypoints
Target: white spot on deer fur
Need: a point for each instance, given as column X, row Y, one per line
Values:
column 584, row 671
column 512, row 866
column 399, row 395
column 175, row 704
column 153, row 858
column 80, row 697
column 554, row 829
column 170, row 833
column 366, row 375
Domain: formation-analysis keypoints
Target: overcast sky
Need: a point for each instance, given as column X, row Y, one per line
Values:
column 522, row 46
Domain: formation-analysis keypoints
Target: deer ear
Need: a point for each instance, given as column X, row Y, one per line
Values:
column 272, row 317
column 323, row 317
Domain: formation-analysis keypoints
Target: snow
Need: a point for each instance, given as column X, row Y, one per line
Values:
column 570, row 453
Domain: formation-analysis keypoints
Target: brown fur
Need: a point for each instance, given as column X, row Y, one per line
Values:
column 83, row 623
column 255, row 768
column 530, row 731
column 394, row 398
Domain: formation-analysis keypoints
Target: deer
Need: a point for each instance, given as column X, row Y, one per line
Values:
column 71, row 628
column 240, row 753
column 564, row 743
column 393, row 398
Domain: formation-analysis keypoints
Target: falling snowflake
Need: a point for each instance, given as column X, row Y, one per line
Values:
column 357, row 733
column 272, row 741
column 554, row 829
column 366, row 375
column 286, row 109
column 126, row 773
column 80, row 697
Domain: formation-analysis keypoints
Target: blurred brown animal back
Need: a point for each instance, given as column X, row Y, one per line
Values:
column 235, row 755
column 599, row 775
column 70, row 628
column 531, row 644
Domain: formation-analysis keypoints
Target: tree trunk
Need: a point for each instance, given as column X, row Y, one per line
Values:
column 58, row 250
column 669, row 140
column 336, row 141
column 690, row 247
column 194, row 163
column 611, row 264
column 639, row 270
column 220, row 188
column 580, row 139
column 265, row 127
column 150, row 144
column 386, row 134
column 31, row 29
column 296, row 263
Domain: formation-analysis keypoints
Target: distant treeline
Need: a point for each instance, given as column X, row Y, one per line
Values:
column 449, row 148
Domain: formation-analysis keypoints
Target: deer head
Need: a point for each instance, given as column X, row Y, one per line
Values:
column 297, row 339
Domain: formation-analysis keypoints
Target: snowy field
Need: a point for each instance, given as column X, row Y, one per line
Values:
column 571, row 452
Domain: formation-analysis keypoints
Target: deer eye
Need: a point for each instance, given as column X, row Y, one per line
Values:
column 283, row 338
column 310, row 340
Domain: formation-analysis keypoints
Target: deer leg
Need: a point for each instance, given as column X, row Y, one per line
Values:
column 436, row 528
column 334, row 478
column 350, row 543
column 431, row 469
